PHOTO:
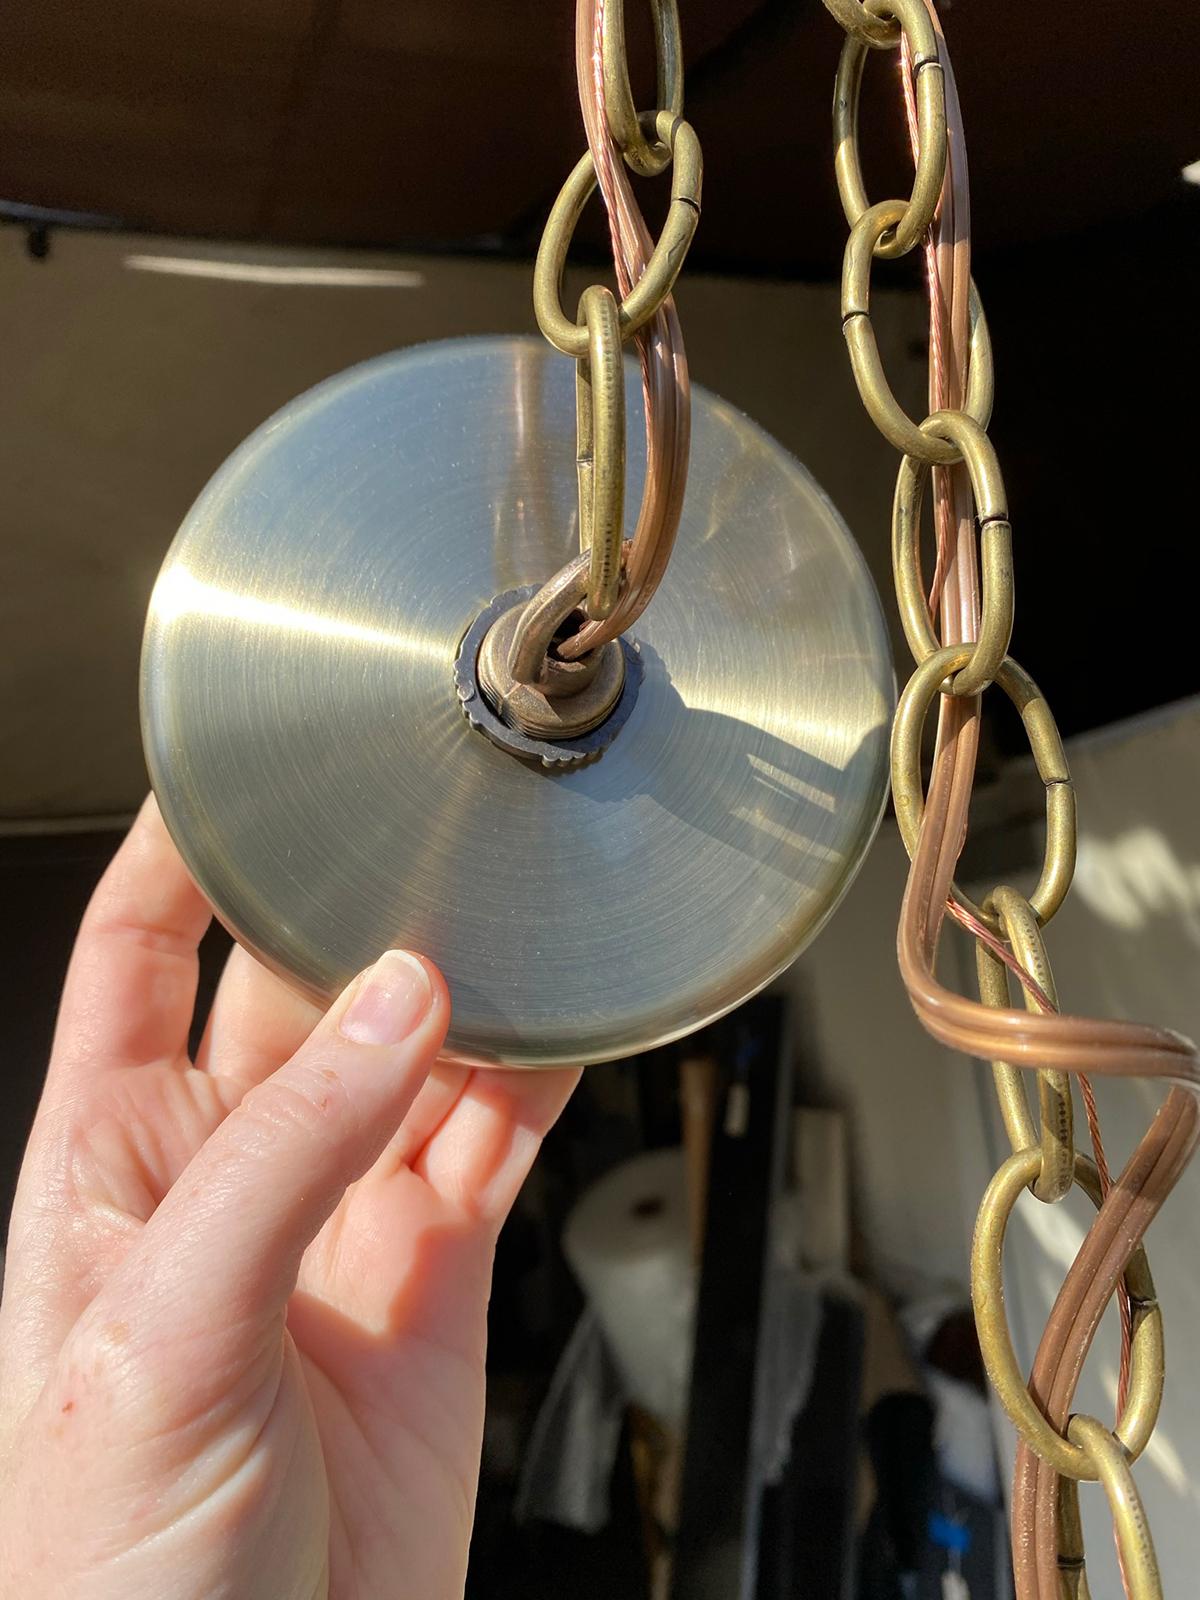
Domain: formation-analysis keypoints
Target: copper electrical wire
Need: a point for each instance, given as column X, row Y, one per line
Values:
column 1075, row 1044
column 954, row 218
column 666, row 385
column 1132, row 1203
column 1038, row 1040
column 1030, row 1040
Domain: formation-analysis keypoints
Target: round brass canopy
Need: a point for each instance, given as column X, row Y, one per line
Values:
column 314, row 765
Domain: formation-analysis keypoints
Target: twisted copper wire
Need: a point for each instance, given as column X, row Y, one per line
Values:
column 666, row 385
column 955, row 209
column 1031, row 1040
column 1132, row 1203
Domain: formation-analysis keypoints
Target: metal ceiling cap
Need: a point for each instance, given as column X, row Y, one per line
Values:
column 311, row 755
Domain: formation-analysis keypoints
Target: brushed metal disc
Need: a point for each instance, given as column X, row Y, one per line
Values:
column 314, row 765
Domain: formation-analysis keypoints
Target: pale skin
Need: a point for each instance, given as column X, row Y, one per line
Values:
column 243, row 1329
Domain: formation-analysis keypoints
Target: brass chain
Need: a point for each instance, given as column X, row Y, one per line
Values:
column 1007, row 926
column 621, row 575
column 657, row 281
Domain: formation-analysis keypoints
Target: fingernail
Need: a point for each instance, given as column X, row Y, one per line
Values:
column 392, row 999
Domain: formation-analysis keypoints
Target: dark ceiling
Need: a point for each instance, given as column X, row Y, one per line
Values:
column 450, row 124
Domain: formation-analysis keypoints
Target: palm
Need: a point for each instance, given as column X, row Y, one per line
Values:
column 365, row 1414
column 388, row 1323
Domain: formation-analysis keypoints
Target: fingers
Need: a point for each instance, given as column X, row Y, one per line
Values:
column 256, row 1022
column 215, row 1265
column 411, row 1256
column 482, row 1152
column 131, row 985
column 440, row 1093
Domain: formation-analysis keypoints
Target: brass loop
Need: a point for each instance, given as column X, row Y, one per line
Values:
column 857, row 20
column 600, row 448
column 663, row 267
column 1070, row 1459
column 567, row 700
column 544, row 615
column 995, row 539
column 1049, row 759
column 930, row 96
column 981, row 375
column 646, row 156
column 912, row 19
column 1139, row 1564
column 1019, row 925
column 882, row 406
column 1009, row 1081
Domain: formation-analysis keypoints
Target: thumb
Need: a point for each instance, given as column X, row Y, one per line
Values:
column 215, row 1265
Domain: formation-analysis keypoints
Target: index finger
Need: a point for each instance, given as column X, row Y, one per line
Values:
column 130, row 988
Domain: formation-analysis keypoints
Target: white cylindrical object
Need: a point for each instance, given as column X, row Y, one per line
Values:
column 628, row 1243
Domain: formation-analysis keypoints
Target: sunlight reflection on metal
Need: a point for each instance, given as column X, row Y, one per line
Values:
column 311, row 757
column 804, row 733
column 179, row 594
column 757, row 818
column 795, row 785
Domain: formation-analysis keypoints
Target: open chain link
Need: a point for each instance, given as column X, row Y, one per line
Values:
column 1007, row 926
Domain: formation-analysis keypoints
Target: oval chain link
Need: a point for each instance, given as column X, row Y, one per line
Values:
column 995, row 548
column 656, row 283
column 1138, row 1560
column 881, row 404
column 645, row 156
column 1146, row 1370
column 1049, row 759
column 930, row 94
column 1019, row 925
column 600, row 447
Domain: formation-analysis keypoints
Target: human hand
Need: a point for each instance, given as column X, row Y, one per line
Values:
column 244, row 1320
